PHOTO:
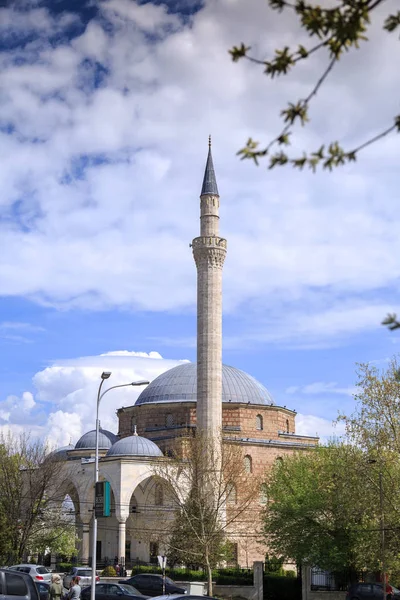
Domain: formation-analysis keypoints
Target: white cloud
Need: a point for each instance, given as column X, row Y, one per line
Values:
column 325, row 429
column 64, row 405
column 112, row 229
column 322, row 387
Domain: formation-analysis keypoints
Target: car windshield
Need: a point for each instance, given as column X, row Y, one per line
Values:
column 168, row 580
column 84, row 573
column 42, row 570
column 129, row 589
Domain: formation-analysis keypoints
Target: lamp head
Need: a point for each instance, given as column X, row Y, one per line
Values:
column 106, row 374
column 141, row 382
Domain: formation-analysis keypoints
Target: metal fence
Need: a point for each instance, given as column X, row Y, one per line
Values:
column 333, row 581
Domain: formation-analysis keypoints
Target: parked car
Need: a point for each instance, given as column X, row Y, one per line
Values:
column 112, row 591
column 185, row 597
column 37, row 572
column 43, row 588
column 371, row 591
column 152, row 585
column 84, row 574
column 14, row 584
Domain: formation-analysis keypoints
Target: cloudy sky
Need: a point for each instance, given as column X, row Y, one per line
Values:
column 106, row 107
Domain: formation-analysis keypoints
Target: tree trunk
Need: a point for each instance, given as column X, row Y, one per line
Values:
column 209, row 575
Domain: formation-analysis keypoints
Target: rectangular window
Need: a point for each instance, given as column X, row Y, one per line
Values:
column 15, row 585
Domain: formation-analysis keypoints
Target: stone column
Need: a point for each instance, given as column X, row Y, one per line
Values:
column 258, row 578
column 121, row 541
column 85, row 543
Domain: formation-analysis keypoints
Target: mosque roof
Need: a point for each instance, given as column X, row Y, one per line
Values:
column 209, row 182
column 180, row 385
column 88, row 440
column 134, row 445
column 59, row 453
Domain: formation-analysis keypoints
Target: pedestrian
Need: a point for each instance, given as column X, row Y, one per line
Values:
column 75, row 589
column 56, row 587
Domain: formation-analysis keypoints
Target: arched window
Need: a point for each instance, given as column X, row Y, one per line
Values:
column 158, row 495
column 263, row 493
column 169, row 420
column 231, row 493
column 259, row 423
column 133, row 423
column 248, row 466
column 287, row 426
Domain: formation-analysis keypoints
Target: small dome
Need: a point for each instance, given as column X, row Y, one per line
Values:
column 134, row 445
column 180, row 385
column 88, row 440
column 61, row 453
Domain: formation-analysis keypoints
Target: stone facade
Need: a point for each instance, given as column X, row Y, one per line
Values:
column 265, row 433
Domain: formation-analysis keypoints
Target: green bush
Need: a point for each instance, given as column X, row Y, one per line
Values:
column 64, row 567
column 109, row 572
column 277, row 587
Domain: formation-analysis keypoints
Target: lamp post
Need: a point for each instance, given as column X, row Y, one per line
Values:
column 372, row 461
column 105, row 375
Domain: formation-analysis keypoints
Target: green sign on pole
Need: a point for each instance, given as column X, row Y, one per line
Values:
column 102, row 504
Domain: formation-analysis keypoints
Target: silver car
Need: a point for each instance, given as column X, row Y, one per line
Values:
column 37, row 572
column 84, row 574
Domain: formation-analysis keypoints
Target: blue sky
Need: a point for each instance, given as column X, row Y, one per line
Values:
column 106, row 109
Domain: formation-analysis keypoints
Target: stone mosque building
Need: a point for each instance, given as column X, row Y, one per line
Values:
column 206, row 395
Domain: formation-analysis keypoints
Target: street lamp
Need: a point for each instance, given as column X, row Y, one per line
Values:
column 105, row 375
column 373, row 461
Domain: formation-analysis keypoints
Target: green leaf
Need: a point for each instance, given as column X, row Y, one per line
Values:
column 303, row 52
column 392, row 22
column 238, row 52
column 284, row 139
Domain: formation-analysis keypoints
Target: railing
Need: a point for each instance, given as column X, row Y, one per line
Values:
column 333, row 582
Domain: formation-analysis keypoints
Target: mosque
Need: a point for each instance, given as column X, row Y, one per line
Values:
column 207, row 396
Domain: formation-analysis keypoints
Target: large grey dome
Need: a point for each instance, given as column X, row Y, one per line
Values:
column 179, row 385
column 134, row 445
column 88, row 440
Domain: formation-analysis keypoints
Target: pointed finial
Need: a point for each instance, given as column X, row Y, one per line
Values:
column 134, row 430
column 209, row 182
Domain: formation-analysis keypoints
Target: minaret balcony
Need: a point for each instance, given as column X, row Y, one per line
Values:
column 206, row 241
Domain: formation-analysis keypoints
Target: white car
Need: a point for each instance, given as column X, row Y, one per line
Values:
column 37, row 572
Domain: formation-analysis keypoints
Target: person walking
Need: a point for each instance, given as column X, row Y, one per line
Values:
column 75, row 589
column 56, row 587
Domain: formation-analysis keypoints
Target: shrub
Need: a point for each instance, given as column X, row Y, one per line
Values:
column 64, row 567
column 277, row 587
column 109, row 572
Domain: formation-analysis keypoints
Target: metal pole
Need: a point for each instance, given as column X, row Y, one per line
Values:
column 382, row 518
column 96, row 478
column 100, row 395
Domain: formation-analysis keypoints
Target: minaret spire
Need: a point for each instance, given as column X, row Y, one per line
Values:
column 209, row 252
column 209, row 181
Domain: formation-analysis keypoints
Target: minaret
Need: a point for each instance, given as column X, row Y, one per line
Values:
column 209, row 252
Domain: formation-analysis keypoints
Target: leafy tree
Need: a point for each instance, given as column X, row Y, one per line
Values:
column 324, row 509
column 375, row 424
column 333, row 31
column 211, row 495
column 30, row 507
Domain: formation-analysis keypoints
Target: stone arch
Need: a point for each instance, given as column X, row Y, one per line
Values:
column 259, row 423
column 148, row 525
column 248, row 464
column 231, row 493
